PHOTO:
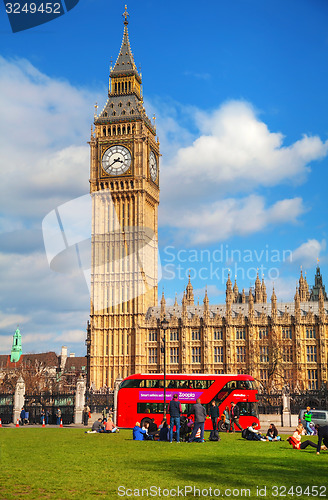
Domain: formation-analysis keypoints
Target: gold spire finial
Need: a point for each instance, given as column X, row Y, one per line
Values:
column 126, row 15
column 96, row 108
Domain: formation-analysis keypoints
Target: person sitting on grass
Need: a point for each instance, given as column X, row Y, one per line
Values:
column 272, row 434
column 164, row 432
column 152, row 430
column 296, row 439
column 147, row 436
column 97, row 426
column 138, row 432
column 254, row 434
column 110, row 426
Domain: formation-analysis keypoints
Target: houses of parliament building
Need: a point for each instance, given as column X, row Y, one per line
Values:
column 277, row 343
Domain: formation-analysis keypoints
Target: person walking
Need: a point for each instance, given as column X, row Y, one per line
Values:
column 105, row 414
column 58, row 416
column 308, row 420
column 214, row 413
column 226, row 414
column 42, row 416
column 200, row 415
column 174, row 410
column 22, row 416
column 234, row 417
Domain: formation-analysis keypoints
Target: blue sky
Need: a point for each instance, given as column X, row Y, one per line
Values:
column 239, row 90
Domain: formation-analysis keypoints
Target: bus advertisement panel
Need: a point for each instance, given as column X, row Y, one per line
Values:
column 141, row 396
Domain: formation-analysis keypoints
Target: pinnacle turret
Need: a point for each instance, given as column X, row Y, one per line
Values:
column 125, row 65
column 190, row 293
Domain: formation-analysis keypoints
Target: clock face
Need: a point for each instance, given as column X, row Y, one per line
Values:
column 116, row 160
column 153, row 166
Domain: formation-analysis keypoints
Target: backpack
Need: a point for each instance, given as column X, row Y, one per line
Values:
column 244, row 433
column 214, row 436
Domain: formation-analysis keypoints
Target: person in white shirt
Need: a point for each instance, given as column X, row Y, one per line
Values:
column 254, row 434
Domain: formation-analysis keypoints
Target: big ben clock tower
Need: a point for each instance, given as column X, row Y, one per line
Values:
column 124, row 185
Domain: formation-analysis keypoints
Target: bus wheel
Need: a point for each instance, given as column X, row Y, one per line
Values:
column 145, row 420
column 222, row 427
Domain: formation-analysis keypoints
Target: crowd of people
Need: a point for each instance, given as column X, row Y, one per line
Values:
column 45, row 417
column 104, row 425
column 191, row 428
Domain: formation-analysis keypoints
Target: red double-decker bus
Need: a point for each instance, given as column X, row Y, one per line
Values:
column 141, row 396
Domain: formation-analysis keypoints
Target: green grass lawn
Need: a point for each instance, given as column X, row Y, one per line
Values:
column 67, row 463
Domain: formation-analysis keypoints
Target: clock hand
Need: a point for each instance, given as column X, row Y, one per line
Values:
column 117, row 159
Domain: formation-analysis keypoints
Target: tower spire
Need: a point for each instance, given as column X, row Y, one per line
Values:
column 125, row 65
column 126, row 15
column 16, row 350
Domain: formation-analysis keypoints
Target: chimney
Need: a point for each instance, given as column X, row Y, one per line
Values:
column 63, row 357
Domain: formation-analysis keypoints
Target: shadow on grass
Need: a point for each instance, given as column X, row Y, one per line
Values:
column 248, row 466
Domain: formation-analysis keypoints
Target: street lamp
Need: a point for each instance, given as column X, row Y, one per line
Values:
column 164, row 325
column 88, row 344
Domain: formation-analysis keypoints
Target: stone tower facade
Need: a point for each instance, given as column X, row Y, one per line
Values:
column 278, row 343
column 124, row 185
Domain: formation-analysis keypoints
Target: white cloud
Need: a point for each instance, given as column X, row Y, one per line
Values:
column 10, row 321
column 285, row 289
column 44, row 128
column 308, row 253
column 223, row 219
column 235, row 151
column 73, row 336
column 6, row 342
column 232, row 153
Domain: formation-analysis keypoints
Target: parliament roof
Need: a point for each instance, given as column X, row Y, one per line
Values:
column 236, row 310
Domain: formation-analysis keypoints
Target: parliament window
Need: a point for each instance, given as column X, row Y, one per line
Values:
column 174, row 335
column 263, row 333
column 195, row 358
column 218, row 335
column 241, row 354
column 218, row 354
column 195, row 335
column 310, row 333
column 240, row 334
column 264, row 354
column 174, row 355
column 287, row 333
column 311, row 353
column 152, row 355
column 152, row 337
column 287, row 354
column 312, row 379
column 264, row 375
